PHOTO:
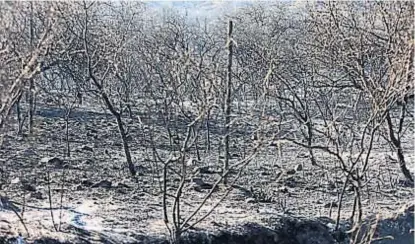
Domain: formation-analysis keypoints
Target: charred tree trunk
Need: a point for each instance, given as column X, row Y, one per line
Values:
column 120, row 125
column 67, row 117
column 20, row 119
column 108, row 103
column 126, row 147
column 227, row 106
column 30, row 93
column 310, row 141
column 397, row 143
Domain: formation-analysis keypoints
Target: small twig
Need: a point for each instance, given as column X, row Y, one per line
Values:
column 50, row 201
column 21, row 220
column 61, row 200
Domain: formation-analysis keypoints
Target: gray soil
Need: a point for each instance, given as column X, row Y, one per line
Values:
column 94, row 200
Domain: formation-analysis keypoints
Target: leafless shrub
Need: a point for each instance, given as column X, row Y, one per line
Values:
column 332, row 78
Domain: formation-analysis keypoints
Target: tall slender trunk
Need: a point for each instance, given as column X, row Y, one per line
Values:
column 67, row 117
column 31, row 107
column 20, row 120
column 31, row 83
column 227, row 106
column 310, row 141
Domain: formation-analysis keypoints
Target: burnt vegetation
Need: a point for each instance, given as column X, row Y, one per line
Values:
column 163, row 124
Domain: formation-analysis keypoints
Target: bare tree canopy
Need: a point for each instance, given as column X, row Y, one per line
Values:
column 159, row 117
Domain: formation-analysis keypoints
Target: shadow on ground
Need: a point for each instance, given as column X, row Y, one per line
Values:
column 281, row 230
